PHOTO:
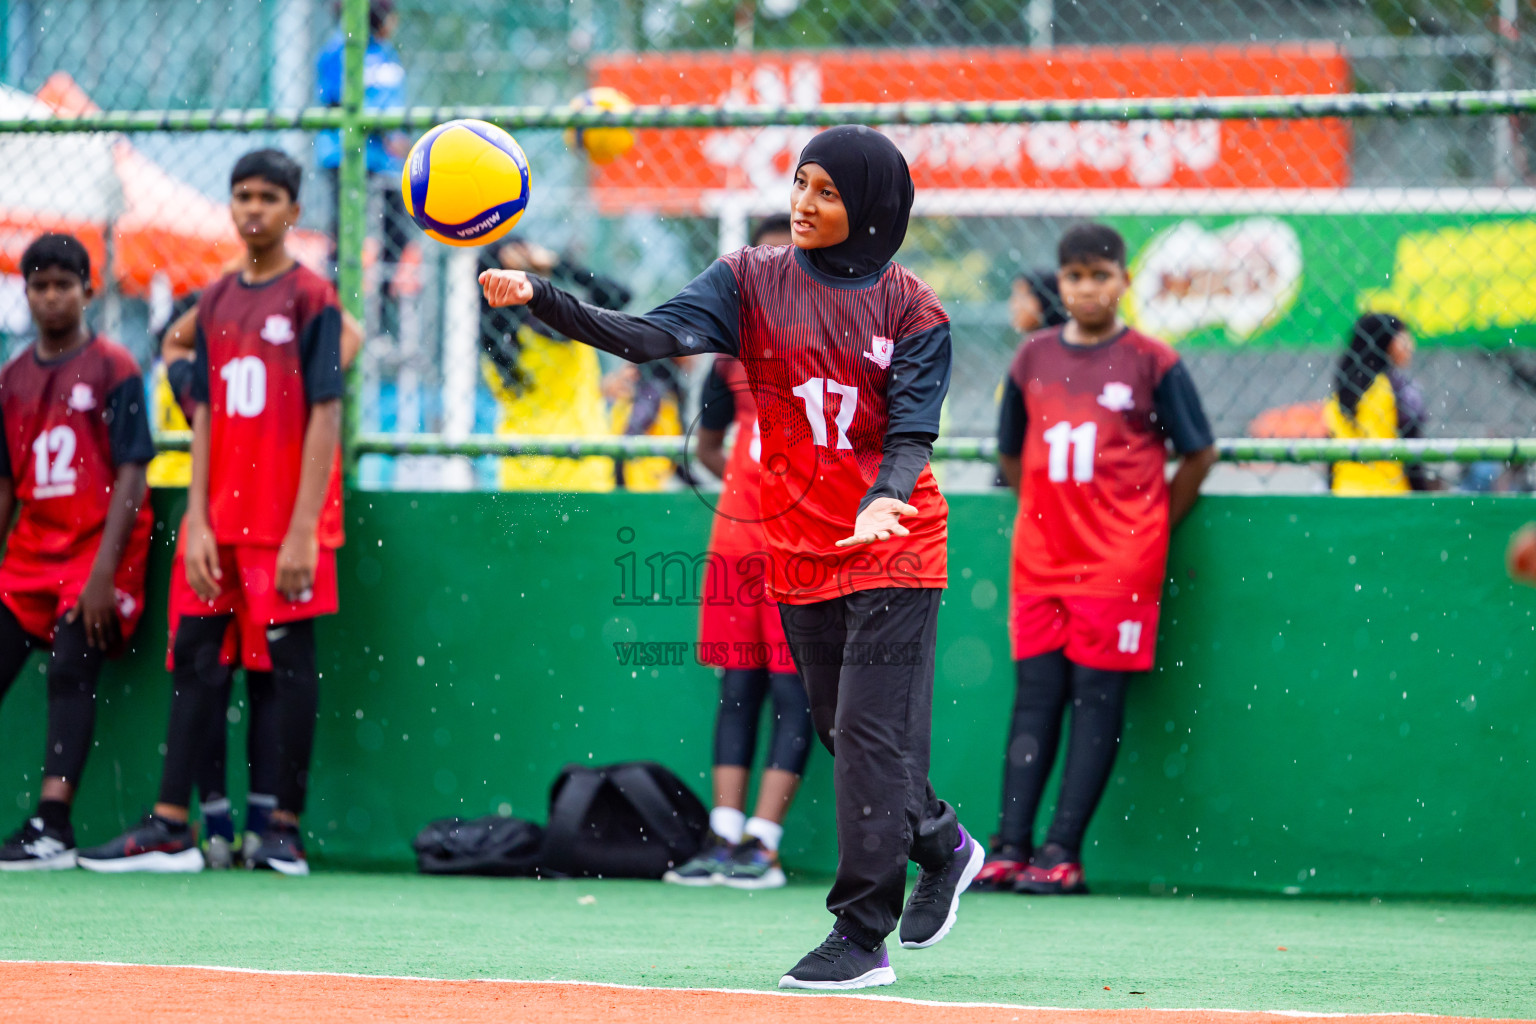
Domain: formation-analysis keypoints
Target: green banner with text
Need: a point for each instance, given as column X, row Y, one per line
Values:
column 1274, row 280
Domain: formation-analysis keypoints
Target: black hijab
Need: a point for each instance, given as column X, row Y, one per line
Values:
column 872, row 177
column 1364, row 357
column 1047, row 289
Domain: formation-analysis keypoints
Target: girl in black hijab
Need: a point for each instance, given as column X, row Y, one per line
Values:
column 848, row 358
column 876, row 189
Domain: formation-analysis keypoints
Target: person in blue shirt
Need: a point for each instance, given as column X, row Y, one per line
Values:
column 384, row 86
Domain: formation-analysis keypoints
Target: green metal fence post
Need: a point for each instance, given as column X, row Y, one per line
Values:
column 352, row 204
column 5, row 40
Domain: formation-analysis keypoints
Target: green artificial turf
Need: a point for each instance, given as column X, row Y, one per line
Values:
column 1470, row 959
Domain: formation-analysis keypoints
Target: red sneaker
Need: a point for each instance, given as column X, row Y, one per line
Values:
column 1065, row 879
column 997, row 875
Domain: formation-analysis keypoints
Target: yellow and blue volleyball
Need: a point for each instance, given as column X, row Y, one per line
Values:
column 465, row 183
column 602, row 145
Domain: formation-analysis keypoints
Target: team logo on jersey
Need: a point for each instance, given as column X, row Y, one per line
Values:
column 1117, row 397
column 880, row 350
column 81, row 397
column 126, row 605
column 278, row 330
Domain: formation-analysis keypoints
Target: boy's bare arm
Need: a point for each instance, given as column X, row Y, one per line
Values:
column 98, row 600
column 1184, row 489
column 180, row 341
column 300, row 550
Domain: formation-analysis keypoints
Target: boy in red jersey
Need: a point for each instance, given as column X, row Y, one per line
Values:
column 263, row 517
column 740, row 630
column 848, row 359
column 1092, row 406
column 76, row 442
column 245, row 640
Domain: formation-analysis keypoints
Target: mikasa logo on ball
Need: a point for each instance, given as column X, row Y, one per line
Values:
column 475, row 229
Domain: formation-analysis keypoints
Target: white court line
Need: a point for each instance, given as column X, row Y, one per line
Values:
column 1305, row 1014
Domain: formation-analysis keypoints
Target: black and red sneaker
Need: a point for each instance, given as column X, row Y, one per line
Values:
column 998, row 875
column 1052, row 871
column 156, row 845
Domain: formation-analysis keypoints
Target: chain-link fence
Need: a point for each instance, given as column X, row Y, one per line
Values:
column 1254, row 242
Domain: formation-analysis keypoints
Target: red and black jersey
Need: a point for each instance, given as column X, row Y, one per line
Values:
column 69, row 423
column 265, row 354
column 1093, row 423
column 727, row 399
column 834, row 366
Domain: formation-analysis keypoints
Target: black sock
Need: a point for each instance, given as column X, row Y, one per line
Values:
column 1098, row 714
column 296, row 687
column 199, row 700
column 73, row 668
column 177, row 827
column 55, row 814
column 1040, row 698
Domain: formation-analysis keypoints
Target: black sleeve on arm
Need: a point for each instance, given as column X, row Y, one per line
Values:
column 919, row 381
column 1012, row 419
column 127, row 417
column 902, row 461
column 634, row 338
column 717, row 402
column 179, row 375
column 1179, row 414
column 706, row 315
column 199, row 384
column 320, row 352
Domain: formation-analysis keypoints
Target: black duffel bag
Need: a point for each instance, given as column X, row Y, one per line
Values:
column 485, row 846
column 632, row 820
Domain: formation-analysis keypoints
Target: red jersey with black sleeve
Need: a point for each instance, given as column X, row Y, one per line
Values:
column 1093, row 424
column 727, row 399
column 834, row 366
column 69, row 423
column 266, row 354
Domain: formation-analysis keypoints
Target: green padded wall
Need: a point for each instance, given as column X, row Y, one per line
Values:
column 1343, row 702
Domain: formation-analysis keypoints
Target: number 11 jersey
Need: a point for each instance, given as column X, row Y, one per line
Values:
column 1093, row 423
column 266, row 354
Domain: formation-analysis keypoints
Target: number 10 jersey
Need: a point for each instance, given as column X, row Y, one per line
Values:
column 266, row 354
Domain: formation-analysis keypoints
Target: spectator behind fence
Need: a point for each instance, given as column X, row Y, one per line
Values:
column 384, row 86
column 543, row 382
column 1035, row 302
column 1374, row 398
column 647, row 401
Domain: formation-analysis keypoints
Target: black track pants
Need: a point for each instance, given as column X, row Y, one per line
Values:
column 867, row 660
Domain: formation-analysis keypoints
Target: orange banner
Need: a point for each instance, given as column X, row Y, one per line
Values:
column 676, row 169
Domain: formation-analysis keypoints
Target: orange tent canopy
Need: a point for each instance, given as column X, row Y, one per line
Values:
column 100, row 187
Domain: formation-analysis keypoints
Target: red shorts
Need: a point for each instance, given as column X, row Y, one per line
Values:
column 739, row 624
column 1115, row 634
column 39, row 589
column 247, row 593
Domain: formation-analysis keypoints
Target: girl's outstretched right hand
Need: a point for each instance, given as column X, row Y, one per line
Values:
column 506, row 287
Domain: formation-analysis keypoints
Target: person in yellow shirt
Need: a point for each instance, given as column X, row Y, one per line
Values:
column 544, row 383
column 647, row 401
column 1374, row 398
